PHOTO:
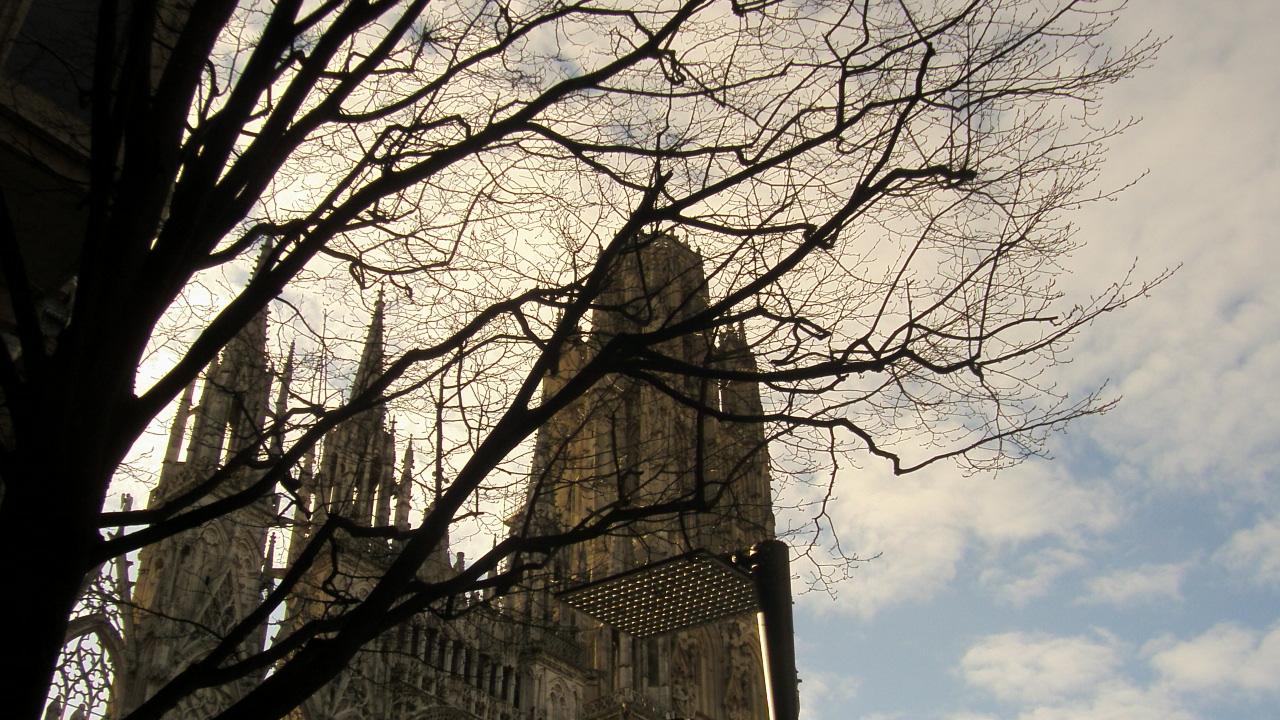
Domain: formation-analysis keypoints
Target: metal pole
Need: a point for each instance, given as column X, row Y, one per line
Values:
column 772, row 574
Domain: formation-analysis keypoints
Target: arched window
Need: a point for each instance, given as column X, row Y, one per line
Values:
column 557, row 703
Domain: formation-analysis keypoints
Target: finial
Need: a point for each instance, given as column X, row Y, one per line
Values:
column 407, row 463
column 404, row 493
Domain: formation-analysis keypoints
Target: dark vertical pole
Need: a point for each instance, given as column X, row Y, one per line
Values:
column 772, row 574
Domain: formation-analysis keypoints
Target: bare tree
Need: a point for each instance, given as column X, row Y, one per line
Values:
column 876, row 190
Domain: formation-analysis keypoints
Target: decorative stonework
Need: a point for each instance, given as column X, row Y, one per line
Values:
column 625, row 704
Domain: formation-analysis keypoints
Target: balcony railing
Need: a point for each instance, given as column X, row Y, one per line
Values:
column 561, row 648
column 625, row 703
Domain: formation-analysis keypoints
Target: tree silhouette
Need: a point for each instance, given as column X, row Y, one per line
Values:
column 875, row 191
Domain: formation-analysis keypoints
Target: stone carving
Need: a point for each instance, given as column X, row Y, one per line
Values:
column 684, row 676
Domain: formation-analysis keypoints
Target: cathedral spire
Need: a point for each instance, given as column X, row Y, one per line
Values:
column 404, row 492
column 386, row 480
column 210, row 422
column 245, row 377
column 306, row 501
column 178, row 430
column 281, row 409
column 371, row 358
column 234, row 401
column 356, row 455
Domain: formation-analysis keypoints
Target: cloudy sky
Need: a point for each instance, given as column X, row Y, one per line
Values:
column 1137, row 574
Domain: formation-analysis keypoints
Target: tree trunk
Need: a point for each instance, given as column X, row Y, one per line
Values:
column 44, row 548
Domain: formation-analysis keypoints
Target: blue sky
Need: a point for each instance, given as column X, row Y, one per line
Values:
column 1137, row 574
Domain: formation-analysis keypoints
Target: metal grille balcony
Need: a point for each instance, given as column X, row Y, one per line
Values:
column 670, row 595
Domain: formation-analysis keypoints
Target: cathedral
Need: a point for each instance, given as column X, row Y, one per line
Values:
column 528, row 654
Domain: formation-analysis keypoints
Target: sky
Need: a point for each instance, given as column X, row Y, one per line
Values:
column 1136, row 574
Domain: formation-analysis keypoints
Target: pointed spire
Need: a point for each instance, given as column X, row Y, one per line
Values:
column 245, row 375
column 408, row 457
column 356, row 459
column 210, row 419
column 404, row 492
column 306, row 477
column 178, row 430
column 307, row 501
column 387, row 477
column 282, row 403
column 364, row 469
column 371, row 358
column 249, row 346
column 267, row 579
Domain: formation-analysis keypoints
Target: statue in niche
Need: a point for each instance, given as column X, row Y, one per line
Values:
column 684, row 676
column 741, row 672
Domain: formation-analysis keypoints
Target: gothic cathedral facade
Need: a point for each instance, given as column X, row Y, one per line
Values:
column 524, row 656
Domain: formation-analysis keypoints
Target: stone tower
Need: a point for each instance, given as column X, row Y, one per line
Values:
column 194, row 587
column 528, row 656
column 633, row 442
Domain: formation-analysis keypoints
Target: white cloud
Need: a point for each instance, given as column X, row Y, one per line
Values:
column 1189, row 359
column 823, row 689
column 1115, row 700
column 1046, row 566
column 1227, row 657
column 1130, row 586
column 1046, row 677
column 1254, row 552
column 1036, row 668
column 925, row 524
